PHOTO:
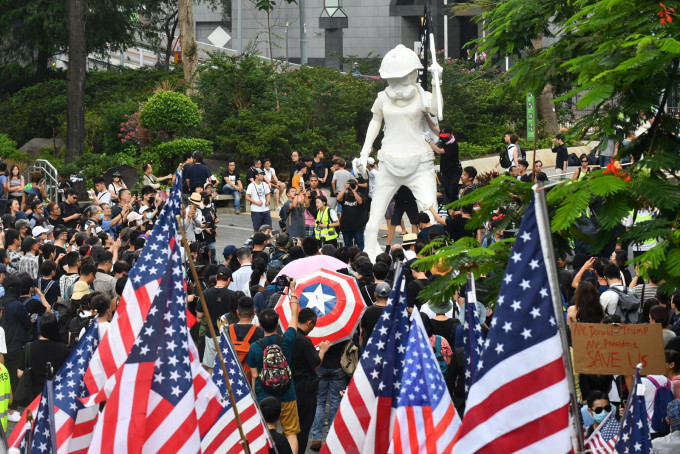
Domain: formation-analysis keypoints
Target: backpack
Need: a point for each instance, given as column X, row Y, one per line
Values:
column 573, row 160
column 242, row 347
column 275, row 374
column 505, row 160
column 349, row 358
column 662, row 397
column 277, row 259
column 76, row 325
column 283, row 217
column 628, row 306
column 522, row 152
column 438, row 354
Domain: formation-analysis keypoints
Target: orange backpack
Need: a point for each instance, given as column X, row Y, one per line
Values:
column 242, row 347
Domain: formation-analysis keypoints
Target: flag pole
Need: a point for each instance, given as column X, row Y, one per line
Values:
column 543, row 224
column 211, row 329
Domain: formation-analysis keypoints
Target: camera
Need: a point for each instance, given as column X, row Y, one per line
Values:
column 353, row 185
column 282, row 281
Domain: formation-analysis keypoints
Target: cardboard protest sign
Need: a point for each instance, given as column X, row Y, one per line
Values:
column 617, row 349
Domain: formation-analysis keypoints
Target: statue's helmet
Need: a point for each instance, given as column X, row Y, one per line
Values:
column 399, row 62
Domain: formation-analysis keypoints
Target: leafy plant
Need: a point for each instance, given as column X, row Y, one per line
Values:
column 169, row 112
column 168, row 154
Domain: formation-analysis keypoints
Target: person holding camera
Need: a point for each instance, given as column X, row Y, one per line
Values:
column 326, row 222
column 353, row 220
column 293, row 213
column 310, row 205
column 258, row 195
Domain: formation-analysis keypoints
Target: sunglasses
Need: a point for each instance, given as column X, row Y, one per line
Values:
column 584, row 161
column 598, row 410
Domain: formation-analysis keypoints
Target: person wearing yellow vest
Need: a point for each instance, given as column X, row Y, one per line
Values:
column 326, row 222
column 5, row 393
column 644, row 214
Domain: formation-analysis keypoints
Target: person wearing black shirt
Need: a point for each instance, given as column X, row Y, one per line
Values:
column 455, row 224
column 373, row 313
column 271, row 412
column 232, row 185
column 198, row 174
column 70, row 211
column 305, row 362
column 252, row 171
column 48, row 348
column 219, row 301
column 449, row 162
column 353, row 220
column 294, row 158
column 562, row 153
column 321, row 169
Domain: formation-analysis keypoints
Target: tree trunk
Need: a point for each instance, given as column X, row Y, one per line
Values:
column 75, row 81
column 188, row 42
column 547, row 113
column 41, row 70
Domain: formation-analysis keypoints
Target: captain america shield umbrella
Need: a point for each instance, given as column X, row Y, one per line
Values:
column 336, row 300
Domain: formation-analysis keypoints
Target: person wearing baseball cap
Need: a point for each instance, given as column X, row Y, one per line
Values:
column 449, row 164
column 229, row 254
column 40, row 233
column 373, row 313
column 23, row 226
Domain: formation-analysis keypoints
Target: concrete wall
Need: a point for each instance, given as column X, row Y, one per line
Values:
column 370, row 29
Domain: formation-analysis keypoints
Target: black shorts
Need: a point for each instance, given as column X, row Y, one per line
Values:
column 411, row 210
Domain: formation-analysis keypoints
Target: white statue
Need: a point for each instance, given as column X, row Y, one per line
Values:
column 405, row 157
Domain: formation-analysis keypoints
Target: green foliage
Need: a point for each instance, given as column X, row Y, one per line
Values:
column 110, row 118
column 170, row 112
column 8, row 150
column 91, row 165
column 167, row 155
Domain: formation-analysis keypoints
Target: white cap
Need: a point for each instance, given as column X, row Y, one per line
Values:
column 39, row 230
column 371, row 161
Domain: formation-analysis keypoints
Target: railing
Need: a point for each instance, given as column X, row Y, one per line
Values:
column 49, row 174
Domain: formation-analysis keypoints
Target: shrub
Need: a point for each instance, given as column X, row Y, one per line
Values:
column 168, row 155
column 8, row 150
column 170, row 112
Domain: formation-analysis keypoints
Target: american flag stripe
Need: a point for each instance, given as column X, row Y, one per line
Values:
column 179, row 420
column 228, row 439
column 530, row 410
column 224, row 436
column 118, row 340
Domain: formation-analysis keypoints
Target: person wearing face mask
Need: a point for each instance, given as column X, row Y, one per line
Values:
column 599, row 408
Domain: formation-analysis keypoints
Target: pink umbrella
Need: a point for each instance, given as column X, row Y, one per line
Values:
column 335, row 298
column 300, row 267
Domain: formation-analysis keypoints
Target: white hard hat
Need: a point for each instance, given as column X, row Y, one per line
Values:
column 399, row 62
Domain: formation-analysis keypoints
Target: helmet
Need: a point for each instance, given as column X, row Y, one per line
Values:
column 399, row 62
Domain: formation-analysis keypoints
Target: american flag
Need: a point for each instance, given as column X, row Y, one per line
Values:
column 473, row 341
column 141, row 288
column 529, row 408
column 634, row 437
column 224, row 436
column 426, row 419
column 74, row 422
column 153, row 406
column 603, row 439
column 364, row 420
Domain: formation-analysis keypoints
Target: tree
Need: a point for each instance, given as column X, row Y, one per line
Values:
column 268, row 6
column 188, row 42
column 75, row 80
column 622, row 60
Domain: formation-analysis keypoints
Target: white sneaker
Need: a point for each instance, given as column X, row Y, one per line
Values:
column 14, row 416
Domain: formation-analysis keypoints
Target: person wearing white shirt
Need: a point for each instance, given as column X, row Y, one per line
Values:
column 240, row 279
column 100, row 195
column 609, row 298
column 258, row 194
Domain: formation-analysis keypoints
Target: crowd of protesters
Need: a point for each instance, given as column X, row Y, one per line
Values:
column 65, row 263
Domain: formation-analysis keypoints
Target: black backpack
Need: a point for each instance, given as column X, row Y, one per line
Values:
column 505, row 160
column 628, row 306
column 522, row 152
column 76, row 325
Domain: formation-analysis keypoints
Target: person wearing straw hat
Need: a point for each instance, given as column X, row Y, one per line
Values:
column 193, row 221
